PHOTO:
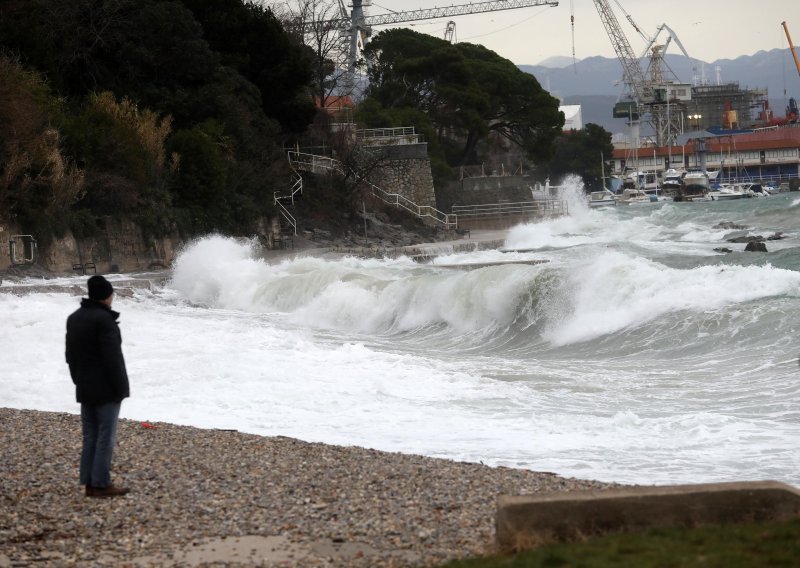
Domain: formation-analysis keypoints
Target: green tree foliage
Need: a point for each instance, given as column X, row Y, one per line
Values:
column 122, row 150
column 580, row 152
column 468, row 91
column 38, row 182
column 251, row 40
column 372, row 115
column 143, row 85
column 201, row 181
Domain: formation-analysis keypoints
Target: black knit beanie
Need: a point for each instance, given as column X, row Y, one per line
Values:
column 99, row 288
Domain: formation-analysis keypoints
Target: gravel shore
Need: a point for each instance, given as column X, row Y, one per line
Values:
column 217, row 497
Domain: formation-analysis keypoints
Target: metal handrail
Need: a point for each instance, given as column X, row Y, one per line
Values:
column 544, row 207
column 296, row 188
column 314, row 163
column 29, row 248
column 288, row 216
column 385, row 132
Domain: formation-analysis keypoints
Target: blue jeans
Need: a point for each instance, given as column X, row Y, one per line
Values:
column 99, row 423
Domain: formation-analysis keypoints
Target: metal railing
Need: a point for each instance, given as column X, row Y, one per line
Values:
column 542, row 207
column 314, row 163
column 365, row 133
column 321, row 164
column 22, row 249
column 389, row 136
column 296, row 188
column 450, row 221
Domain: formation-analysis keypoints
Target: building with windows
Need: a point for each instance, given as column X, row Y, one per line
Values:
column 766, row 155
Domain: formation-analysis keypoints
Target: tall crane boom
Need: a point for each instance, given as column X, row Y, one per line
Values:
column 791, row 46
column 359, row 25
column 631, row 69
column 433, row 13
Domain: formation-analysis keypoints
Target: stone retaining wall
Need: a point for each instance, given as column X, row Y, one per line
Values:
column 410, row 178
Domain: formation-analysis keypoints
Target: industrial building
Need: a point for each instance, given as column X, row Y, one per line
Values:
column 767, row 155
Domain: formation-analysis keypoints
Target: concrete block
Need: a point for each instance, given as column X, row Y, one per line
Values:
column 528, row 521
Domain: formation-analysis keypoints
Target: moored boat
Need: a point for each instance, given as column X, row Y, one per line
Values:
column 634, row 196
column 694, row 187
column 672, row 182
column 728, row 191
column 602, row 199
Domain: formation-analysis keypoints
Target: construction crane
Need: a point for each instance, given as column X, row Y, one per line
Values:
column 450, row 32
column 672, row 36
column 358, row 26
column 647, row 94
column 792, row 112
column 791, row 46
column 632, row 74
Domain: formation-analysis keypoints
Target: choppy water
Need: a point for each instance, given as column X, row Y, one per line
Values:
column 636, row 354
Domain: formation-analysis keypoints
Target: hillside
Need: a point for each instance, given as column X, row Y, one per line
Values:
column 594, row 82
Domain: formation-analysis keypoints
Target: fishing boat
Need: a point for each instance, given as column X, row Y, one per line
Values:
column 602, row 199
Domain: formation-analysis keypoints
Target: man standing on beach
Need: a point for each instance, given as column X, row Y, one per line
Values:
column 94, row 356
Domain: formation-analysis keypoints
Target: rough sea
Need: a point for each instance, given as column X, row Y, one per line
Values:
column 636, row 354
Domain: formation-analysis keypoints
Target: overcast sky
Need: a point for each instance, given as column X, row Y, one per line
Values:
column 708, row 29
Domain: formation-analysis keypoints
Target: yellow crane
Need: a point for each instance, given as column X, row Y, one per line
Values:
column 791, row 46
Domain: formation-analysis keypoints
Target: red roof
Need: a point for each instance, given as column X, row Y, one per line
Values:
column 335, row 102
column 767, row 139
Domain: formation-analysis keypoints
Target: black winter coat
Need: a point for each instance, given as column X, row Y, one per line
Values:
column 94, row 354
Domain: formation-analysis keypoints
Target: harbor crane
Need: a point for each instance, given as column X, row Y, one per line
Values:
column 632, row 74
column 450, row 32
column 647, row 95
column 358, row 26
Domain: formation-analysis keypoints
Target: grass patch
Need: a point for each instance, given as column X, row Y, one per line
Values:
column 731, row 546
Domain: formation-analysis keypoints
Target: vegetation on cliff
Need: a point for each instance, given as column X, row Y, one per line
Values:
column 159, row 111
column 175, row 113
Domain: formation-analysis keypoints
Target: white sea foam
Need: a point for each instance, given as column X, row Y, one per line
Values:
column 615, row 291
column 350, row 351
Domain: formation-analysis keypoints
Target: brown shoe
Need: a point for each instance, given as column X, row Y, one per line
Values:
column 110, row 491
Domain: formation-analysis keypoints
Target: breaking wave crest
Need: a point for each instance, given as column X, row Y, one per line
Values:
column 556, row 304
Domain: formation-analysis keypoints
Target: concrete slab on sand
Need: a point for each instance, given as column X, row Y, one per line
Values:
column 258, row 550
column 528, row 521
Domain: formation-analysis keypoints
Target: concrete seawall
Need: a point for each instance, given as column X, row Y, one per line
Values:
column 528, row 521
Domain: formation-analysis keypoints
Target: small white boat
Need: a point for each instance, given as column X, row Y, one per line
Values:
column 602, row 199
column 728, row 191
column 755, row 190
column 634, row 197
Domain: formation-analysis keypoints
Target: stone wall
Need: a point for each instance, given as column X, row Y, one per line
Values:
column 493, row 189
column 410, row 178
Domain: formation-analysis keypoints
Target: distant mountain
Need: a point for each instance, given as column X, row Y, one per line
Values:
column 595, row 83
column 556, row 62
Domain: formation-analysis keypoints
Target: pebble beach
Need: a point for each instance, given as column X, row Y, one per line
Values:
column 225, row 498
